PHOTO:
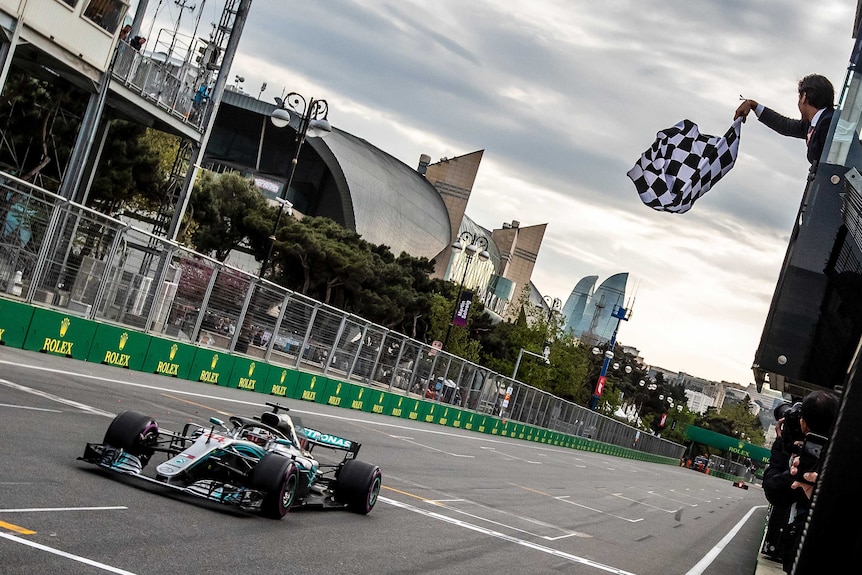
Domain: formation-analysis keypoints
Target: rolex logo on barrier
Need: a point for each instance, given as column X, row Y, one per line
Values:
column 247, row 382
column 117, row 358
column 169, row 367
column 310, row 394
column 283, row 376
column 212, row 375
column 58, row 346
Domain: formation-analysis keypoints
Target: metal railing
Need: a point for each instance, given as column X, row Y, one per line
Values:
column 59, row 254
column 168, row 87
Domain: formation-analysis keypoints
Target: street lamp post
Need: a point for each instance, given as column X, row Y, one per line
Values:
column 313, row 122
column 542, row 356
column 620, row 315
column 645, row 390
column 472, row 244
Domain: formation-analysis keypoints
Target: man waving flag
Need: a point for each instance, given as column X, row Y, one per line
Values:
column 682, row 165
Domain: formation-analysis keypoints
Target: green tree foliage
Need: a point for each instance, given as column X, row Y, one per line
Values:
column 225, row 212
column 735, row 419
column 319, row 258
column 40, row 122
column 534, row 327
column 131, row 170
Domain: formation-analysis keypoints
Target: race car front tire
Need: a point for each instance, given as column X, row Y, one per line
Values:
column 357, row 486
column 277, row 477
column 134, row 433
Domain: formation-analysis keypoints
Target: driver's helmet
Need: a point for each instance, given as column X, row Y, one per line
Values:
column 257, row 435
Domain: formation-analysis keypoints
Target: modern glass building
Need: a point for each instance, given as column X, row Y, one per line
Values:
column 589, row 313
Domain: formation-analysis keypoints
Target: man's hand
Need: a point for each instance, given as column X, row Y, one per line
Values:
column 811, row 476
column 744, row 109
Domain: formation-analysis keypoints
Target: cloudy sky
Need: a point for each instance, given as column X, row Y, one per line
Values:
column 563, row 96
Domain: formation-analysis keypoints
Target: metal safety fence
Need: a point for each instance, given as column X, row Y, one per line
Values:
column 58, row 254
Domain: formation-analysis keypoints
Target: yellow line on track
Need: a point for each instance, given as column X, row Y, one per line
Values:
column 419, row 497
column 16, row 528
column 530, row 489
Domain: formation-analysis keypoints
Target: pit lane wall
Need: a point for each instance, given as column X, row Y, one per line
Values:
column 54, row 332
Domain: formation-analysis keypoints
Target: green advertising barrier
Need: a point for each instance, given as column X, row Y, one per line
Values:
column 119, row 347
column 170, row 358
column 447, row 415
column 15, row 320
column 338, row 393
column 59, row 334
column 211, row 366
column 379, row 401
column 248, row 374
column 501, row 428
column 282, row 382
column 474, row 422
column 431, row 412
column 366, row 399
column 406, row 407
column 459, row 418
column 311, row 387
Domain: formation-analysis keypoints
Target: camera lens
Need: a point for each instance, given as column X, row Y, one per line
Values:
column 781, row 410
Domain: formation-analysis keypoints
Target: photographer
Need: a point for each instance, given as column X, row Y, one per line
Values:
column 815, row 414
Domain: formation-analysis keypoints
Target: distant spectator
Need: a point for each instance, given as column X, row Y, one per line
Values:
column 124, row 33
column 201, row 96
column 137, row 42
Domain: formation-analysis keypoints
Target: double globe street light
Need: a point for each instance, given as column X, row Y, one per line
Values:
column 311, row 116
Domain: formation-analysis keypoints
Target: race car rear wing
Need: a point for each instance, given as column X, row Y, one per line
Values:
column 315, row 437
column 311, row 437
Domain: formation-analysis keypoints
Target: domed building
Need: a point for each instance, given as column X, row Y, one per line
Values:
column 419, row 210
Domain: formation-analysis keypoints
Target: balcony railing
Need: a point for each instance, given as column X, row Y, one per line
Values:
column 160, row 83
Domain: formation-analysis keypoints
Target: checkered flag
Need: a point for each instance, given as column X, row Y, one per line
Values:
column 682, row 165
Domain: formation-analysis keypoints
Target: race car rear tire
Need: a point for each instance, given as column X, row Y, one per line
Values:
column 277, row 477
column 357, row 486
column 134, row 433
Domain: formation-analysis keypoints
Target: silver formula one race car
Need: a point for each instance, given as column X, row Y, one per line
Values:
column 262, row 463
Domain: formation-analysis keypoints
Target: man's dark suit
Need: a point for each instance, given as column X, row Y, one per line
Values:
column 799, row 129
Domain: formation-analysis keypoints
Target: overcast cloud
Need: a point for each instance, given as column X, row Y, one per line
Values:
column 564, row 96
